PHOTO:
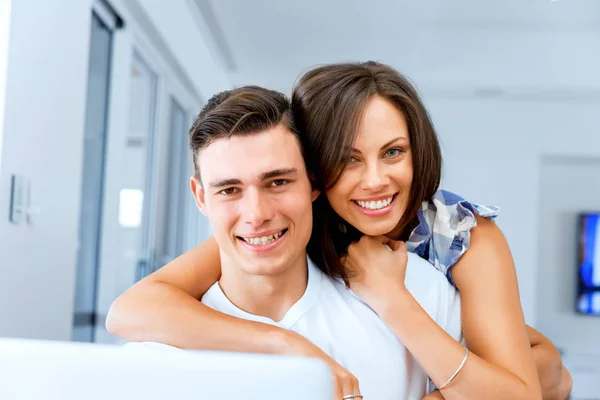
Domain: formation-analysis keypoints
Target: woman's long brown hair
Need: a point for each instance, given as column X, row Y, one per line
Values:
column 328, row 103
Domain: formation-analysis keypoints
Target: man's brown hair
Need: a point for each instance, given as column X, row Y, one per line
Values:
column 241, row 111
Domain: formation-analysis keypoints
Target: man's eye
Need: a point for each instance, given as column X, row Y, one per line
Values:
column 279, row 182
column 227, row 191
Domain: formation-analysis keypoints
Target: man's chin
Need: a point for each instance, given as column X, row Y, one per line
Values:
column 260, row 262
column 263, row 269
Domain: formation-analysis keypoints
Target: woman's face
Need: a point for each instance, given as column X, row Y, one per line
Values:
column 372, row 193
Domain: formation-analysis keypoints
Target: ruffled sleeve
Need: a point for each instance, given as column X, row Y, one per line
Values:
column 444, row 230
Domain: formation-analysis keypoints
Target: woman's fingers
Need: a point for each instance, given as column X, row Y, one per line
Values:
column 392, row 244
column 397, row 245
column 347, row 383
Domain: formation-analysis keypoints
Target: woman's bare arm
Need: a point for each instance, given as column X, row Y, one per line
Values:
column 492, row 317
column 164, row 307
column 486, row 278
column 554, row 378
column 500, row 364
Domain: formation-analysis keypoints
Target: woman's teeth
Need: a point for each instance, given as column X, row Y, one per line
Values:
column 375, row 205
column 263, row 239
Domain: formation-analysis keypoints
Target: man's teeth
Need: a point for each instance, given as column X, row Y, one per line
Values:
column 375, row 205
column 263, row 239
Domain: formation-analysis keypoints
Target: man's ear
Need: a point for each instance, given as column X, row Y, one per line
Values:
column 315, row 193
column 198, row 193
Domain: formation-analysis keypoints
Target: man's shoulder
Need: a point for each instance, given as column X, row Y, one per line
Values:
column 420, row 273
column 426, row 283
column 329, row 286
column 433, row 291
column 324, row 280
column 331, row 289
column 213, row 296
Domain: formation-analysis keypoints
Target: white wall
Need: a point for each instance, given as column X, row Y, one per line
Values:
column 492, row 154
column 506, row 56
column 456, row 57
column 568, row 186
column 43, row 141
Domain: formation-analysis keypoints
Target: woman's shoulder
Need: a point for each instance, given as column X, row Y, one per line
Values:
column 443, row 233
column 445, row 200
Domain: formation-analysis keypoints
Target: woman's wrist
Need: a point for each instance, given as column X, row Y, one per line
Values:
column 287, row 342
column 390, row 306
column 282, row 341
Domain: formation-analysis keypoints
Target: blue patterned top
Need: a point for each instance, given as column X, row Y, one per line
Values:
column 444, row 230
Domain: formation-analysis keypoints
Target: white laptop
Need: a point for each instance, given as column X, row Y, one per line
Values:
column 31, row 370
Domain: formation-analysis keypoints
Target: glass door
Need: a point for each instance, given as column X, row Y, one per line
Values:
column 128, row 245
column 173, row 210
column 137, row 198
column 85, row 315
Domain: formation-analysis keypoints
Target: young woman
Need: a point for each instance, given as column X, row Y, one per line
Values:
column 374, row 153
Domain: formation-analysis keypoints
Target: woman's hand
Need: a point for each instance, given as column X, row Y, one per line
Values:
column 378, row 269
column 344, row 382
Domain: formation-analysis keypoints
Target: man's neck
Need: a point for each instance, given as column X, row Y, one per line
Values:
column 269, row 296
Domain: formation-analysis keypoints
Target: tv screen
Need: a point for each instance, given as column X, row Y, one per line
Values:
column 588, row 288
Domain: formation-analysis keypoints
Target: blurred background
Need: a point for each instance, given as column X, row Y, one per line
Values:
column 96, row 98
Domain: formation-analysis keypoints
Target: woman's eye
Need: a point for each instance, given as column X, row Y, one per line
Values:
column 352, row 160
column 227, row 191
column 393, row 152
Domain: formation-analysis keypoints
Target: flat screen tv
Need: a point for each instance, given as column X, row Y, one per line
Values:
column 588, row 282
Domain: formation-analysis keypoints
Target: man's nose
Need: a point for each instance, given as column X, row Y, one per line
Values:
column 257, row 208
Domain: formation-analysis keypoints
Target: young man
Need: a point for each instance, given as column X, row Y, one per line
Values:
column 251, row 183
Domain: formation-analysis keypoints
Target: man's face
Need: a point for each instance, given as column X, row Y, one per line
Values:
column 256, row 193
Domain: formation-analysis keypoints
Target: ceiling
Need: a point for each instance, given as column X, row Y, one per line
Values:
column 469, row 42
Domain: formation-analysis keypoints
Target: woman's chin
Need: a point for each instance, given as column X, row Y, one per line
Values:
column 375, row 229
column 375, row 225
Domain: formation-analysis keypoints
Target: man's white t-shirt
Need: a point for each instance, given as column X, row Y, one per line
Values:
column 332, row 317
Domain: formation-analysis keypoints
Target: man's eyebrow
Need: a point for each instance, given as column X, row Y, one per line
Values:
column 224, row 182
column 278, row 172
column 264, row 176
